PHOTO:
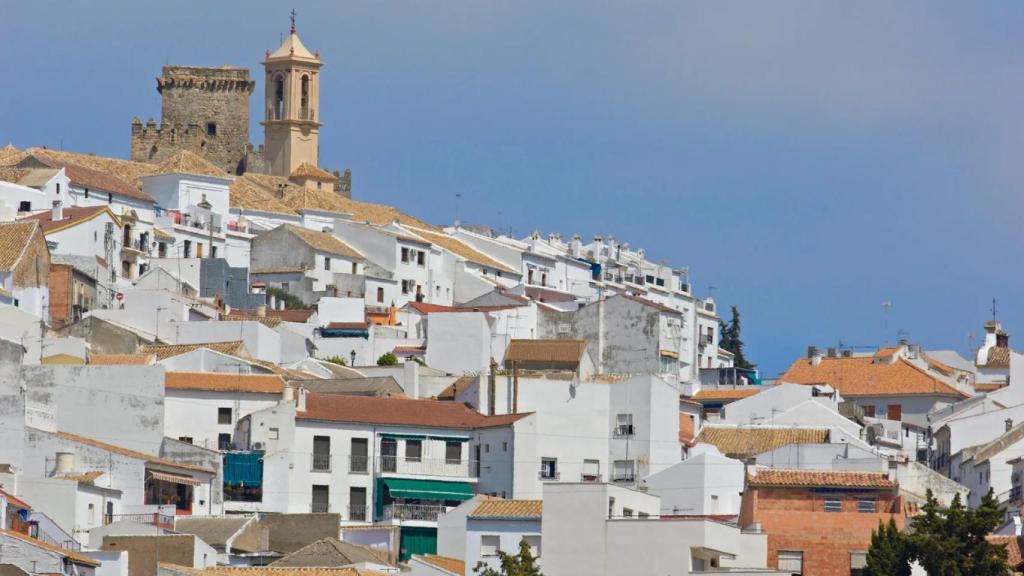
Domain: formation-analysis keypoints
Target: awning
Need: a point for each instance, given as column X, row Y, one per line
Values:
column 404, row 436
column 174, row 478
column 428, row 489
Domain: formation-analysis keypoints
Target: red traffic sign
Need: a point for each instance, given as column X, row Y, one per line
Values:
column 120, row 296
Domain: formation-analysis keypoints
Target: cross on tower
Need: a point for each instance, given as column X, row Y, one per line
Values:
column 293, row 20
column 993, row 309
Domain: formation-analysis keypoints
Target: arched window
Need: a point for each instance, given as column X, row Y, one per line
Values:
column 304, row 114
column 279, row 98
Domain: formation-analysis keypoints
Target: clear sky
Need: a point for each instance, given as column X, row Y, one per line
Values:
column 809, row 160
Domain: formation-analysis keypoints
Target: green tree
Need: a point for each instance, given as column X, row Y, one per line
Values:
column 387, row 359
column 521, row 564
column 888, row 554
column 291, row 302
column 337, row 360
column 731, row 339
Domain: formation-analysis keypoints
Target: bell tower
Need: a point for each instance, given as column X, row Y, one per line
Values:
column 291, row 125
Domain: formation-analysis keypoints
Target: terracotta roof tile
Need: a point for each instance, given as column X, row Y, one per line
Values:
column 118, row 359
column 13, row 174
column 14, row 238
column 940, row 366
column 246, row 194
column 130, row 453
column 460, row 248
column 13, row 500
column 286, row 315
column 737, row 442
column 652, row 304
column 127, row 171
column 225, row 382
column 308, row 171
column 509, row 509
column 452, row 565
column 778, row 477
column 185, row 162
column 886, row 352
column 164, row 351
column 862, row 376
column 347, row 325
column 72, row 216
column 409, row 350
column 1014, row 549
column 93, row 172
column 399, row 411
column 559, row 351
column 73, row 556
column 686, row 426
column 268, row 321
column 725, row 394
column 323, row 242
column 452, row 391
column 266, row 571
column 85, row 477
column 998, row 357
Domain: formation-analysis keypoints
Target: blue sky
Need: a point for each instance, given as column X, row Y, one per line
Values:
column 808, row 159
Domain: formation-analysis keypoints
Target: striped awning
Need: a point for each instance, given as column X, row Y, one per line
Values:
column 174, row 478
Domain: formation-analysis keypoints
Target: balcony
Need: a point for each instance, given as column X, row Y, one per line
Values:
column 359, row 464
column 549, row 476
column 165, row 521
column 420, row 512
column 426, row 466
column 359, row 513
column 320, row 463
column 625, row 476
column 623, row 431
column 319, row 507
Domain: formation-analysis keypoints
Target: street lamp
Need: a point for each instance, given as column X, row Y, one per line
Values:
column 205, row 205
column 353, row 355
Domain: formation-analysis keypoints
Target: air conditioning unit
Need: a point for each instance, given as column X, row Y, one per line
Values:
column 259, row 446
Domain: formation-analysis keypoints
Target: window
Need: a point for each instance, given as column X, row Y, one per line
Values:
column 199, row 249
column 380, row 295
column 274, row 434
column 869, row 411
column 327, row 263
column 791, row 561
column 894, row 412
column 357, row 509
column 405, row 254
column 611, row 505
column 24, row 206
column 624, row 425
column 224, row 441
column 321, row 498
column 213, row 251
column 591, row 471
column 92, row 513
column 866, row 504
column 504, row 446
column 627, row 512
column 406, row 285
column 110, row 198
column 549, row 468
column 453, row 452
column 413, row 450
column 359, row 459
column 858, row 561
column 534, row 542
column 421, row 258
column 211, row 128
column 185, row 439
column 321, row 453
column 86, row 192
column 711, row 335
column 623, row 471
column 223, row 415
column 489, row 545
column 833, row 504
column 186, row 249
column 278, row 98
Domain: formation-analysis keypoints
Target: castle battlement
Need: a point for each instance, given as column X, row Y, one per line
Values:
column 201, row 78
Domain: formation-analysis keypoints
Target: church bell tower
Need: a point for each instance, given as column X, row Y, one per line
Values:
column 291, row 124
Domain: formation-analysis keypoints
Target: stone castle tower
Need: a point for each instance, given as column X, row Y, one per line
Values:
column 291, row 125
column 203, row 110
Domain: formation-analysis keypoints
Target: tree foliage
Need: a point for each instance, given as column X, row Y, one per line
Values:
column 387, row 359
column 944, row 541
column 337, row 360
column 731, row 339
column 521, row 564
column 291, row 301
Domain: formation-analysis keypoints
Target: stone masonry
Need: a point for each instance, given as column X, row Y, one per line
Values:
column 203, row 110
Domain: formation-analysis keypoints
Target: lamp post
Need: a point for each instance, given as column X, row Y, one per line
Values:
column 353, row 356
column 205, row 205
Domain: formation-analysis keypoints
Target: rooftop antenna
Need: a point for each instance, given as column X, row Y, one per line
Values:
column 458, row 198
column 993, row 309
column 886, row 307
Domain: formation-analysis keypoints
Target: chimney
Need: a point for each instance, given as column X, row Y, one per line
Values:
column 57, row 213
column 288, row 394
column 576, row 246
column 914, row 351
column 261, row 310
column 831, row 352
column 814, row 355
column 1009, row 424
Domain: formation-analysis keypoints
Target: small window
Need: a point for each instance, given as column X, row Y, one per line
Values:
column 624, row 425
column 833, row 504
column 421, row 258
column 110, row 198
column 86, row 192
column 549, row 468
column 24, row 206
column 223, row 415
column 380, row 295
column 58, row 188
column 623, row 471
column 185, row 439
column 453, row 452
column 224, row 441
column 627, row 512
column 504, row 446
column 487, row 448
column 591, row 471
column 274, row 434
column 866, row 504
column 213, row 251
column 327, row 263
column 791, row 561
column 211, row 128
column 489, row 545
column 405, row 254
column 858, row 562
column 413, row 450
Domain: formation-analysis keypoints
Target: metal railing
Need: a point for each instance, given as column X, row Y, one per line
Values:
column 319, row 507
column 425, row 466
column 359, row 464
column 590, row 478
column 152, row 519
column 359, row 513
column 421, row 512
column 320, row 463
column 547, row 475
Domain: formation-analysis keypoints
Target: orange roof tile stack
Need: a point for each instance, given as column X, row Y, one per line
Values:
column 745, row 442
column 778, row 477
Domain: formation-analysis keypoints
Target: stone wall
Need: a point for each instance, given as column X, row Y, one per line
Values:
column 203, row 110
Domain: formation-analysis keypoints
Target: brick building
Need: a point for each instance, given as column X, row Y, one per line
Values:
column 819, row 521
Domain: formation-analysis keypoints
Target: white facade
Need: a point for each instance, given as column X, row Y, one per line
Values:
column 706, row 483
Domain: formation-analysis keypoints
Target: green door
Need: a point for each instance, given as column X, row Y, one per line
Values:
column 416, row 540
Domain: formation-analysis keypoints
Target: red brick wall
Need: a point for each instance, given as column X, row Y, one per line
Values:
column 795, row 519
column 60, row 292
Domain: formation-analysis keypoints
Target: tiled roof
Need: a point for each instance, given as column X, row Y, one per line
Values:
column 560, row 351
column 225, row 382
column 725, row 394
column 268, row 321
column 455, row 388
column 323, row 242
column 993, row 448
column 73, row 556
column 652, row 304
column 246, row 194
column 14, row 238
column 307, row 170
column 13, row 174
column 266, row 571
column 410, row 350
column 451, row 565
column 769, row 477
column 13, row 500
column 427, row 308
column 292, row 48
column 164, row 351
column 747, row 441
column 886, row 352
column 95, row 173
column 399, row 412
column 1014, row 549
column 347, row 325
column 686, row 429
column 998, row 357
column 86, row 477
column 130, row 453
column 72, row 216
column 116, row 359
column 215, row 531
column 508, row 509
column 460, row 248
column 940, row 366
column 285, row 315
column 331, row 552
column 862, row 376
column 990, row 387
column 185, row 162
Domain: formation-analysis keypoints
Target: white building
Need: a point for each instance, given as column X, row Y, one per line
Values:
column 705, row 484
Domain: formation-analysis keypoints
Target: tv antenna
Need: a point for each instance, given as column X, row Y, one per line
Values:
column 993, row 309
column 886, row 308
